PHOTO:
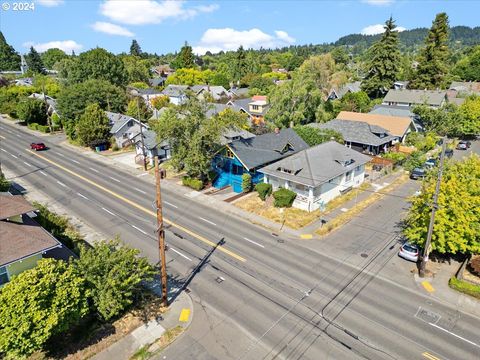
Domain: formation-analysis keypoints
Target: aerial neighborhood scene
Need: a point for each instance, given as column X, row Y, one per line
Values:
column 239, row 179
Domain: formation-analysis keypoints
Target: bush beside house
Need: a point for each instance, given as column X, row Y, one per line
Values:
column 264, row 190
column 284, row 198
column 246, row 183
column 195, row 184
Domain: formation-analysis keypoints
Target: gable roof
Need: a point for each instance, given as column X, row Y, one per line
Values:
column 13, row 206
column 348, row 87
column 157, row 81
column 233, row 133
column 392, row 110
column 215, row 90
column 395, row 125
column 429, row 97
column 316, row 165
column 149, row 140
column 149, row 91
column 175, row 90
column 118, row 121
column 263, row 149
column 357, row 131
column 467, row 87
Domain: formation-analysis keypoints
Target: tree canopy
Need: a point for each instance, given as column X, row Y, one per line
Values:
column 34, row 61
column 52, row 56
column 9, row 58
column 185, row 58
column 93, row 126
column 135, row 49
column 32, row 111
column 468, row 68
column 137, row 107
column 314, row 136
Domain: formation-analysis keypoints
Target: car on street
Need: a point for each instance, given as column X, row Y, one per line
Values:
column 409, row 252
column 466, row 142
column 462, row 146
column 38, row 146
column 418, row 173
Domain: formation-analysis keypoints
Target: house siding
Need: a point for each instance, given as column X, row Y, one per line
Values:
column 25, row 264
column 224, row 167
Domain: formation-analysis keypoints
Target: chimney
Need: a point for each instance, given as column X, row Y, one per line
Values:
column 277, row 131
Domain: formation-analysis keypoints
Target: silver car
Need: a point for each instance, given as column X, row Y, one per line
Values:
column 409, row 252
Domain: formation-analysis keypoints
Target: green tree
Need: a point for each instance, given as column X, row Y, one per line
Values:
column 433, row 68
column 160, row 102
column 185, row 58
column 219, row 80
column 138, row 107
column 9, row 58
column 48, row 84
column 240, row 66
column 32, row 111
column 64, row 67
column 136, row 68
column 93, row 126
column 340, row 55
column 457, row 221
column 314, row 136
column 383, row 62
column 135, row 49
column 260, row 86
column 194, row 138
column 352, row 101
column 469, row 116
column 468, row 68
column 98, row 64
column 114, row 274
column 73, row 99
column 34, row 62
column 189, row 77
column 319, row 69
column 246, row 183
column 39, row 303
column 4, row 183
column 52, row 56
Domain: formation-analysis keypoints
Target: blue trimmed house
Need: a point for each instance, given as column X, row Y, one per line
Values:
column 247, row 155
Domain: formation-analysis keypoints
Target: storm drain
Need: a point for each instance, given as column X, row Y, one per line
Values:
column 427, row 316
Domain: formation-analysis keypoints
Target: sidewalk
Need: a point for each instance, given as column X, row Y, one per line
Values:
column 179, row 313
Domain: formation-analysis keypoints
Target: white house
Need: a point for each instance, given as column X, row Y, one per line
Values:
column 318, row 174
column 176, row 93
column 124, row 128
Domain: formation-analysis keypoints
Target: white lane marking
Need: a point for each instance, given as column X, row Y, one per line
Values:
column 4, row 150
column 61, row 184
column 253, row 242
column 143, row 232
column 94, row 170
column 41, row 172
column 176, row 207
column 114, row 179
column 208, row 221
column 27, row 164
column 18, row 135
column 14, row 156
column 61, row 155
column 108, row 211
column 179, row 253
column 140, row 191
column 75, row 161
column 143, row 174
column 83, row 196
column 451, row 333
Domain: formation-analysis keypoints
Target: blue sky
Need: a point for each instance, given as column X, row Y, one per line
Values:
column 163, row 26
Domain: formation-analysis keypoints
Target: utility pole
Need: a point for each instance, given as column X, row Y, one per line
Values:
column 46, row 107
column 161, row 236
column 141, row 136
column 426, row 249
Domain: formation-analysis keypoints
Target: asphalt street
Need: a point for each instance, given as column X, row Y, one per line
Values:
column 260, row 296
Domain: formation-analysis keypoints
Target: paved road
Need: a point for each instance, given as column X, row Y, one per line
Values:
column 260, row 296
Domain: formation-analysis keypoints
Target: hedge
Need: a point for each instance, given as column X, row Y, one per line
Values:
column 283, row 198
column 246, row 183
column 465, row 287
column 264, row 190
column 42, row 128
column 195, row 184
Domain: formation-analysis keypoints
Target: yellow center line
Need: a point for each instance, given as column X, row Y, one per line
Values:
column 140, row 207
column 430, row 356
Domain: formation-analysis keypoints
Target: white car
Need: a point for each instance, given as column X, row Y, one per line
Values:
column 409, row 252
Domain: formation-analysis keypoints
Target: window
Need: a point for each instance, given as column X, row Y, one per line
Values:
column 348, row 176
column 130, row 123
column 237, row 170
column 229, row 153
column 255, row 107
column 3, row 275
column 357, row 169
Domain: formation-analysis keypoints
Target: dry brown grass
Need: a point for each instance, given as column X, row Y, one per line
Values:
column 293, row 217
column 359, row 207
column 340, row 200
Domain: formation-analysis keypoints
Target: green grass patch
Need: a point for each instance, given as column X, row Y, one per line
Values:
column 141, row 354
column 465, row 287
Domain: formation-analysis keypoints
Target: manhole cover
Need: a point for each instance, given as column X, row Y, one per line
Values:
column 427, row 316
column 364, row 255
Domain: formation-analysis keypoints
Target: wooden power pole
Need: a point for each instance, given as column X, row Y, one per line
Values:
column 161, row 236
column 141, row 136
column 426, row 250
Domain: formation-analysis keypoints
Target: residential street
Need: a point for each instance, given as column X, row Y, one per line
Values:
column 261, row 296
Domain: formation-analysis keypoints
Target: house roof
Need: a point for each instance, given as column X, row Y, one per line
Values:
column 216, row 91
column 392, row 110
column 348, row 87
column 149, row 139
column 214, row 109
column 157, row 81
column 19, row 241
column 457, row 101
column 233, row 133
column 468, row 87
column 13, row 206
column 149, row 91
column 240, row 104
column 316, row 165
column 118, row 121
column 357, row 131
column 429, row 97
column 175, row 90
column 239, row 92
column 263, row 149
column 395, row 125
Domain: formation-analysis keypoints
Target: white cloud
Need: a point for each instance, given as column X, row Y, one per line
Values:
column 378, row 2
column 215, row 40
column 49, row 3
column 378, row 29
column 65, row 45
column 111, row 29
column 143, row 12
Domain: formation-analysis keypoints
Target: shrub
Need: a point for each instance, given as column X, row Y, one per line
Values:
column 195, row 184
column 263, row 190
column 284, row 198
column 416, row 159
column 396, row 157
column 4, row 183
column 246, row 183
column 465, row 287
column 33, row 126
column 43, row 128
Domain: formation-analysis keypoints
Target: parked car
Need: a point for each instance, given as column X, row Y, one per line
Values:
column 462, row 146
column 449, row 153
column 466, row 142
column 430, row 163
column 409, row 252
column 38, row 146
column 418, row 173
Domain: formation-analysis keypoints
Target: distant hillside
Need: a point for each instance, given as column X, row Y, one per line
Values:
column 411, row 39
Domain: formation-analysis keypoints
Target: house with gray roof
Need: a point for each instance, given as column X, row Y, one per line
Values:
column 399, row 111
column 176, row 93
column 236, row 92
column 124, row 128
column 216, row 92
column 318, row 174
column 465, row 88
column 403, row 97
column 255, row 107
column 151, row 147
column 338, row 93
column 246, row 156
column 361, row 136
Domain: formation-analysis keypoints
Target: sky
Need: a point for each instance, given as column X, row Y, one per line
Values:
column 163, row 26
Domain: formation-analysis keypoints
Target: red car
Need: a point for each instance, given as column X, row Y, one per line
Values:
column 37, row 146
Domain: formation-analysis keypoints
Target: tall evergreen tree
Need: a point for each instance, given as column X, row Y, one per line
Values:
column 35, row 62
column 135, row 49
column 383, row 64
column 432, row 67
column 185, row 58
column 240, row 64
column 9, row 58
